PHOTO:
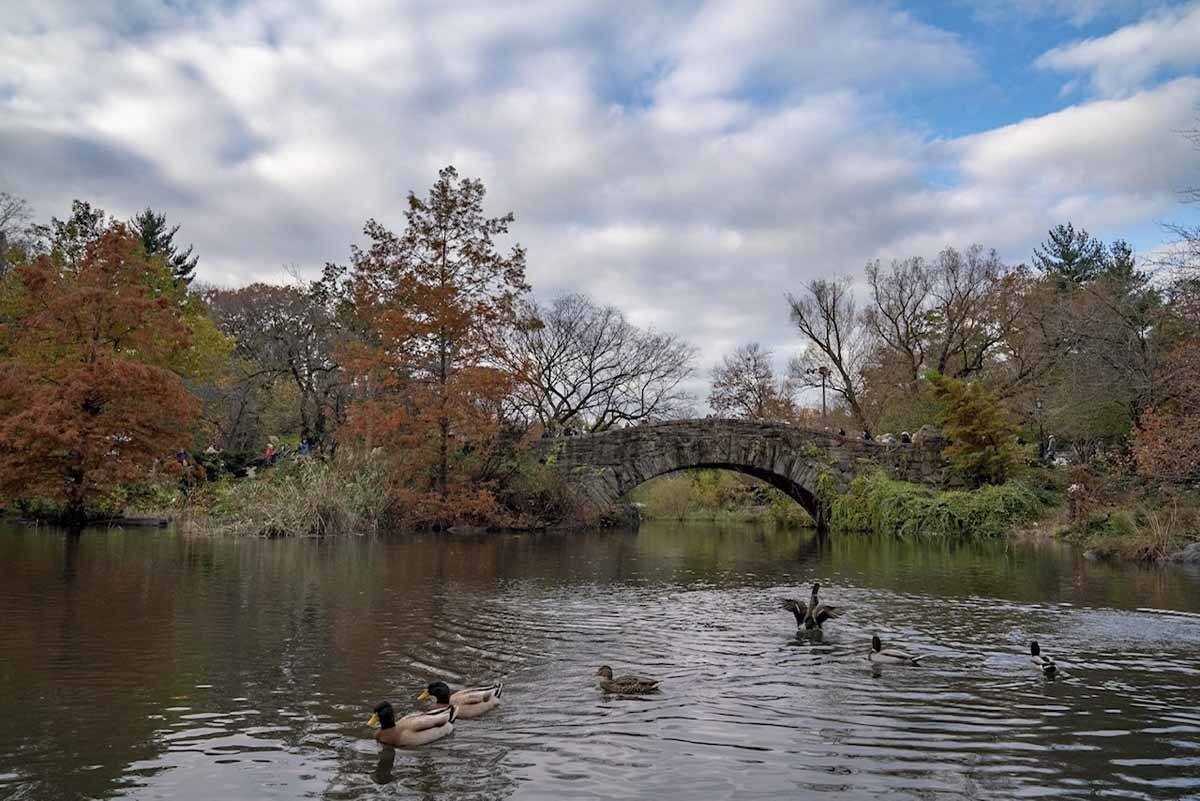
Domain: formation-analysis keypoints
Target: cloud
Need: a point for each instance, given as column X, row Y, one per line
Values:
column 1126, row 59
column 689, row 162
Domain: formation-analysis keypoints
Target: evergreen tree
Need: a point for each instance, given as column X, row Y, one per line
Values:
column 1071, row 257
column 1131, row 285
column 157, row 238
column 983, row 447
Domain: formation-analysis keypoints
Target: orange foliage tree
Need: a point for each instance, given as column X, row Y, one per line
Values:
column 1167, row 441
column 437, row 303
column 88, row 400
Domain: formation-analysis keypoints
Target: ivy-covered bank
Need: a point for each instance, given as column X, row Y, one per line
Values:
column 876, row 504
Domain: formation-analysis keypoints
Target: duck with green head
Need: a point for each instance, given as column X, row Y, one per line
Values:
column 415, row 728
column 890, row 656
column 468, row 703
column 1042, row 662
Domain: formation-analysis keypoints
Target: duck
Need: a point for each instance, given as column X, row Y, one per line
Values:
column 625, row 685
column 470, row 702
column 890, row 656
column 1042, row 663
column 812, row 615
column 415, row 728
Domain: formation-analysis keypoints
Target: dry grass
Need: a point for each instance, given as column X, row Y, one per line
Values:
column 347, row 496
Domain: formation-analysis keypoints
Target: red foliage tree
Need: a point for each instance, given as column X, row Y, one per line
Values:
column 1167, row 442
column 437, row 302
column 87, row 399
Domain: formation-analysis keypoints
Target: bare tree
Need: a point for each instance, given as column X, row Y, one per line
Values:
column 969, row 325
column 899, row 317
column 585, row 366
column 286, row 332
column 744, row 384
column 838, row 340
column 951, row 315
column 15, row 215
column 1184, row 257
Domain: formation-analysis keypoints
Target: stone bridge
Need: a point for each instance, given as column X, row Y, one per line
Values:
column 806, row 464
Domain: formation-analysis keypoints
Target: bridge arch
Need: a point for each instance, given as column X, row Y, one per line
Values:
column 805, row 464
column 806, row 497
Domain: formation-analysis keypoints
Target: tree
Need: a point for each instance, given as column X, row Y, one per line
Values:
column 157, row 239
column 838, row 345
column 744, row 385
column 1167, row 442
column 1070, row 257
column 899, row 317
column 15, row 215
column 88, row 400
column 983, row 447
column 583, row 365
column 288, row 333
column 66, row 240
column 439, row 302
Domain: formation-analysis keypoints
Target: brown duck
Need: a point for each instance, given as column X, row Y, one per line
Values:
column 625, row 685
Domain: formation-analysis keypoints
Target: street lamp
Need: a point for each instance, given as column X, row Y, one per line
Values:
column 824, row 373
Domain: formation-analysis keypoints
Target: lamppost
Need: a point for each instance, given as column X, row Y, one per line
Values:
column 1037, row 405
column 824, row 373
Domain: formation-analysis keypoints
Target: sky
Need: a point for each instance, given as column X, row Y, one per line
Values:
column 689, row 162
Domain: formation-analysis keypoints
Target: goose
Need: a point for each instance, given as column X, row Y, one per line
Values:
column 814, row 614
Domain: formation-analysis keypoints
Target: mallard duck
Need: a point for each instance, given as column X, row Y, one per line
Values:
column 1042, row 663
column 625, row 685
column 812, row 615
column 416, row 728
column 468, row 703
column 890, row 656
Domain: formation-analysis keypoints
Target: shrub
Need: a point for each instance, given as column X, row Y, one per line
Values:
column 880, row 505
column 983, row 442
column 348, row 495
column 1142, row 534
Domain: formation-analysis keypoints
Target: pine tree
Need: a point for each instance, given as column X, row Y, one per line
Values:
column 1071, row 257
column 157, row 238
column 983, row 446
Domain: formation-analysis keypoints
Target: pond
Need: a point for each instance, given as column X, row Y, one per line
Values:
column 151, row 665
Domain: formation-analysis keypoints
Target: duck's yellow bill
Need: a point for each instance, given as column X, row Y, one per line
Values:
column 424, row 694
column 374, row 721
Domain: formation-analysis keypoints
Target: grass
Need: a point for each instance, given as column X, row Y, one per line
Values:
column 879, row 505
column 1140, row 534
column 1114, row 514
column 347, row 496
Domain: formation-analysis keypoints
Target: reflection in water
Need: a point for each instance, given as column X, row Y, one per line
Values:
column 383, row 769
column 146, row 665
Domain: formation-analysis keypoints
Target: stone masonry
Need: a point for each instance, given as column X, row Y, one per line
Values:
column 805, row 464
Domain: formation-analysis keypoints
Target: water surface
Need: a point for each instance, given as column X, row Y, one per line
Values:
column 148, row 665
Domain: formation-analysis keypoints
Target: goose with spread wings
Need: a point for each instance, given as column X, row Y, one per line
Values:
column 813, row 614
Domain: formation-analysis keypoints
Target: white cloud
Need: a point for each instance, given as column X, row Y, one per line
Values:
column 690, row 164
column 1124, row 60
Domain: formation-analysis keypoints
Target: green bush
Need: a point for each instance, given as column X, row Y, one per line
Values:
column 877, row 504
column 983, row 440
